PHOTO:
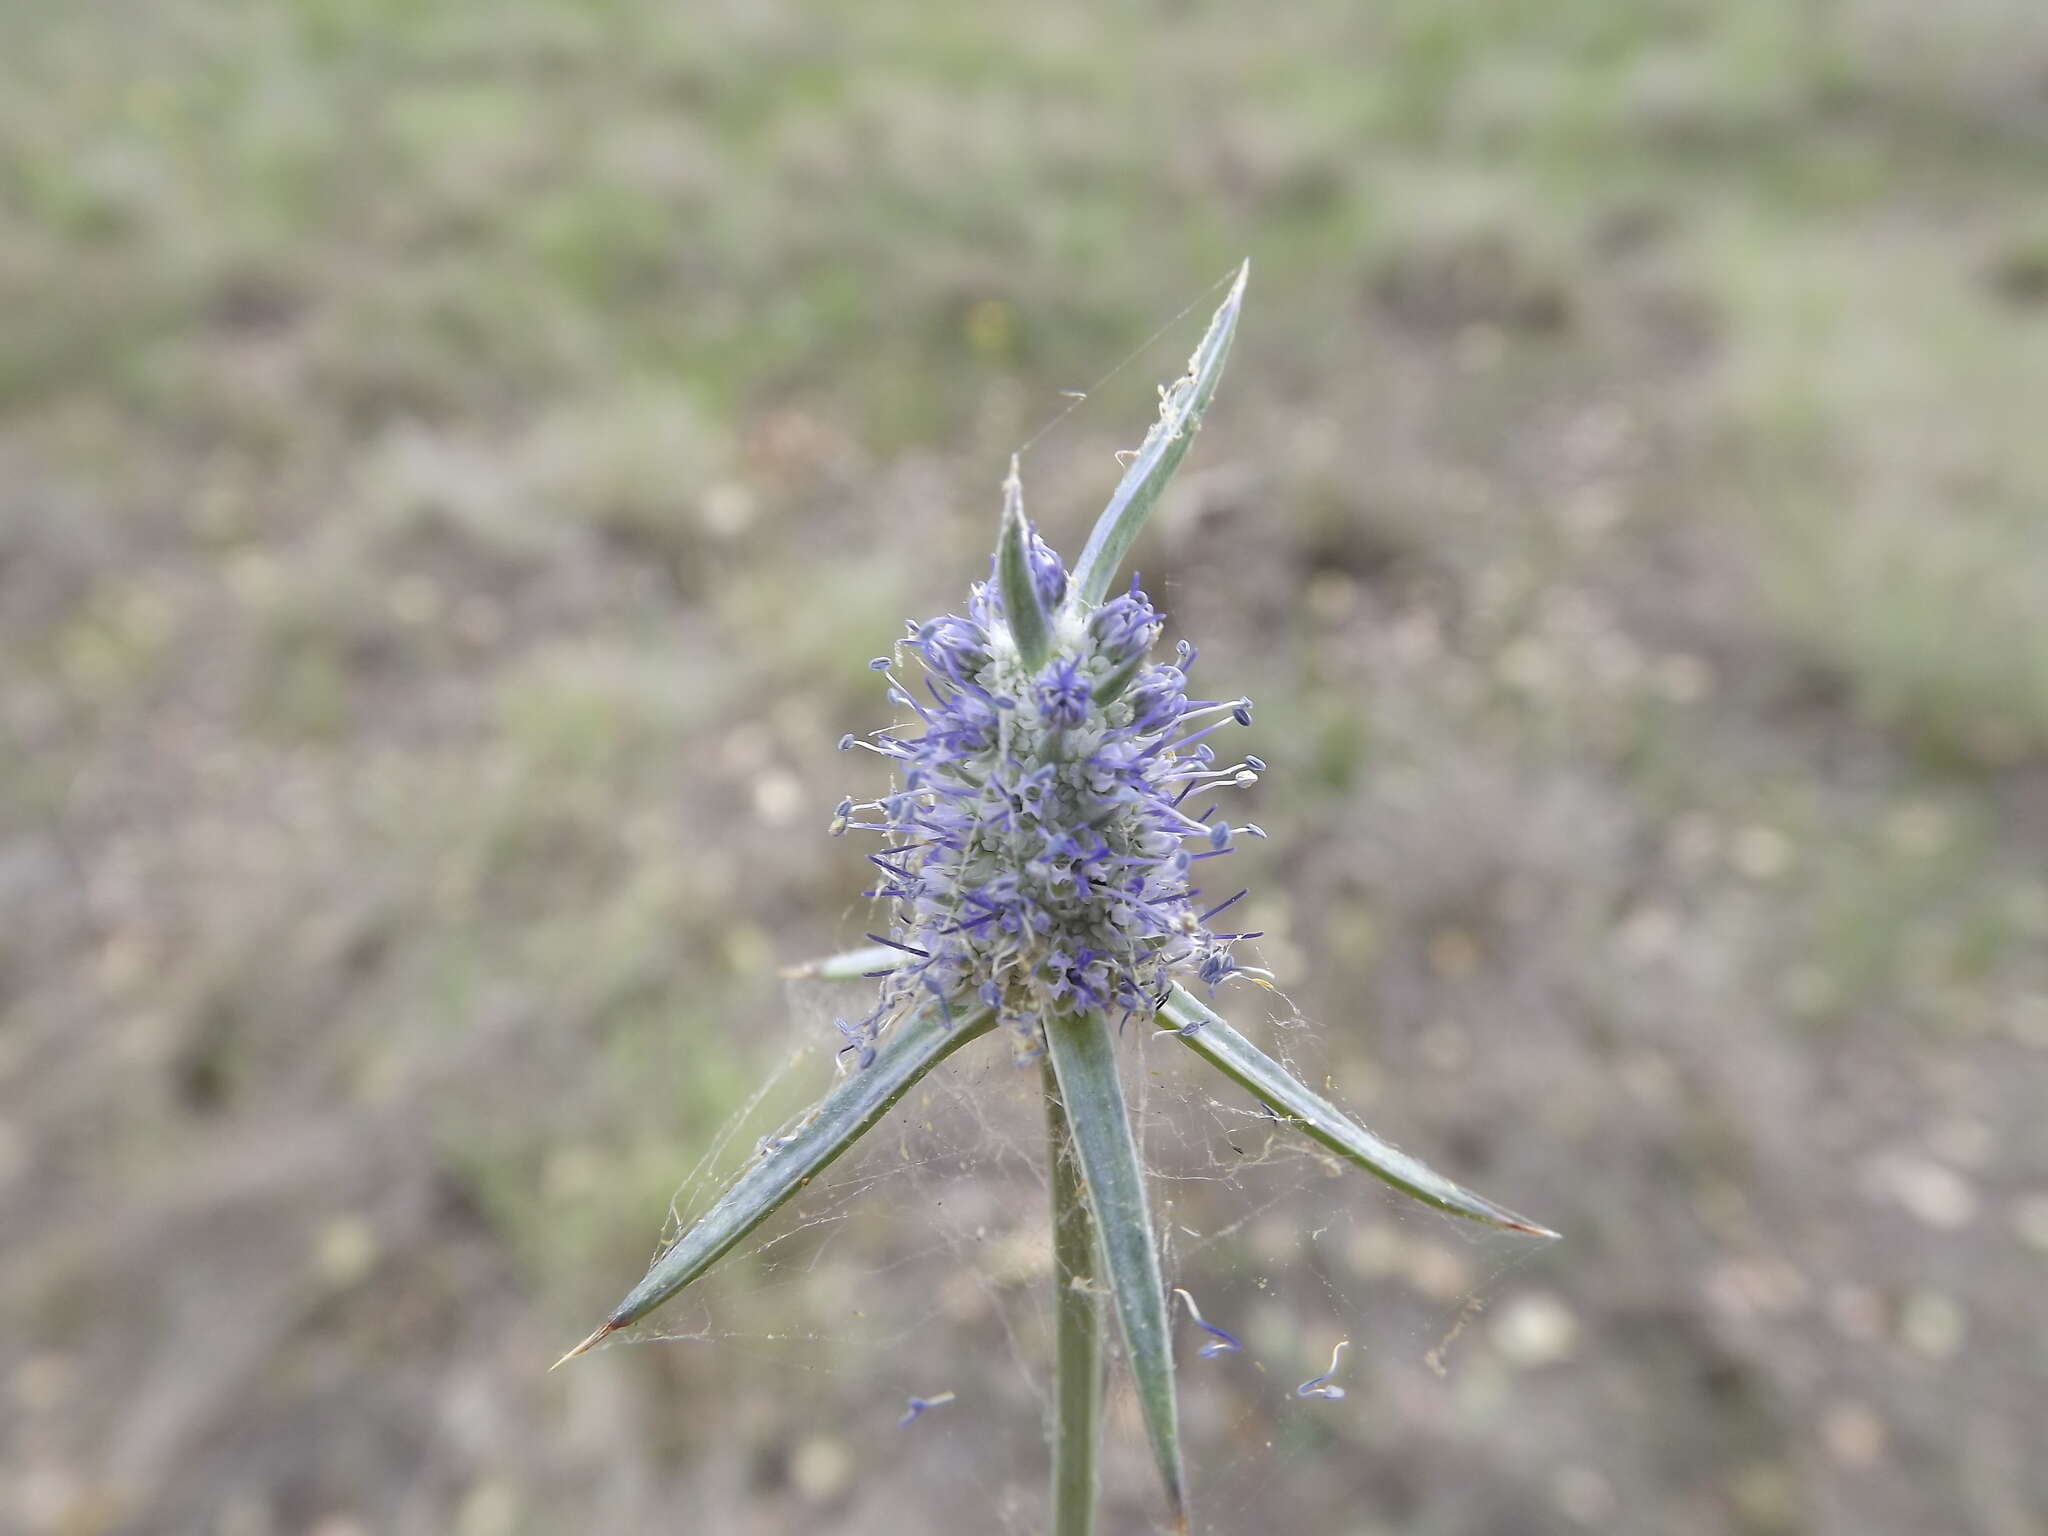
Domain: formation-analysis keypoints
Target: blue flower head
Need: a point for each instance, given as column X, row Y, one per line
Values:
column 1043, row 850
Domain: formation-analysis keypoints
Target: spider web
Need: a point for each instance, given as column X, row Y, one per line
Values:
column 918, row 1268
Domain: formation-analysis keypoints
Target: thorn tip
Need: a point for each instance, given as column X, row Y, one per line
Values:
column 1501, row 1216
column 587, row 1345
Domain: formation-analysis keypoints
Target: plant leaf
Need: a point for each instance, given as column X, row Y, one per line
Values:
column 1165, row 445
column 849, row 965
column 906, row 1052
column 1084, row 1063
column 1029, row 626
column 1077, row 1329
column 1211, row 1037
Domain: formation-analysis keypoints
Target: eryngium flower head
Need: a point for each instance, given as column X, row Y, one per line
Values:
column 1049, row 825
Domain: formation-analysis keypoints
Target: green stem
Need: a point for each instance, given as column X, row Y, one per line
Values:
column 1083, row 1056
column 1077, row 1321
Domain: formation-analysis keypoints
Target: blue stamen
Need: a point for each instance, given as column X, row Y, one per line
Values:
column 906, row 948
column 1320, row 1386
column 1240, row 896
column 919, row 1406
column 1220, row 1343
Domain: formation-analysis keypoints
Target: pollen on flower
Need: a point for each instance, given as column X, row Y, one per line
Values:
column 1037, row 855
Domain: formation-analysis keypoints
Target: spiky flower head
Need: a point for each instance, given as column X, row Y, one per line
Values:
column 1050, row 823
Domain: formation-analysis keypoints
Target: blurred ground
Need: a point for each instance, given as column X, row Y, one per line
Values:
column 456, row 459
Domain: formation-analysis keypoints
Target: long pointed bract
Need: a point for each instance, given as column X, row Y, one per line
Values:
column 1084, row 1062
column 1077, row 1330
column 1211, row 1037
column 908, row 1051
column 1165, row 445
column 1029, row 626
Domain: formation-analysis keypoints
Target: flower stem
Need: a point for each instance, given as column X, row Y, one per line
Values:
column 1077, row 1321
column 1083, row 1052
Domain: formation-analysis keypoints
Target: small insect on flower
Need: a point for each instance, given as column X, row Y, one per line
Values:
column 920, row 1406
column 1321, row 1386
column 1220, row 1343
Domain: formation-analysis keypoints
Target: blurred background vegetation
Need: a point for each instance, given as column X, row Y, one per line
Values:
column 457, row 458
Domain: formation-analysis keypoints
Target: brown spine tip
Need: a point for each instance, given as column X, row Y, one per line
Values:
column 1501, row 1216
column 802, row 971
column 588, row 1344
